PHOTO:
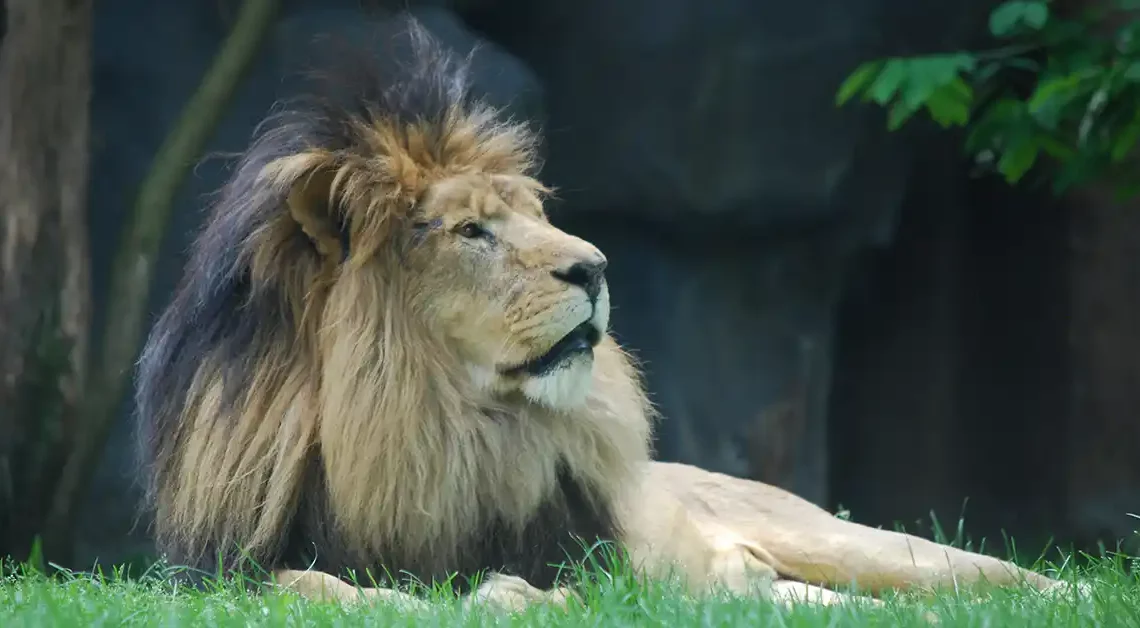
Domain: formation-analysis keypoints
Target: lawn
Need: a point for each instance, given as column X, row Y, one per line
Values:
column 85, row 600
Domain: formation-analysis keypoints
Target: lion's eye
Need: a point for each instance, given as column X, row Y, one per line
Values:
column 471, row 230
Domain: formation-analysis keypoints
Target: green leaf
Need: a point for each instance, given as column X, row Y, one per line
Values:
column 899, row 113
column 1005, row 19
column 1061, row 89
column 1126, row 192
column 883, row 89
column 940, row 69
column 961, row 89
column 1127, row 139
column 857, row 81
column 1133, row 72
column 1072, row 174
column 1050, row 101
column 926, row 75
column 949, row 105
column 1055, row 148
column 994, row 121
column 1036, row 15
column 1017, row 159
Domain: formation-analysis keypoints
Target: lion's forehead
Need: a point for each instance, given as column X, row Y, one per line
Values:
column 484, row 196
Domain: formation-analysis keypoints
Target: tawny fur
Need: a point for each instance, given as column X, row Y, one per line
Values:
column 330, row 317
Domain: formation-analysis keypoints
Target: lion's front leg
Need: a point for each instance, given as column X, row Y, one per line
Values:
column 319, row 586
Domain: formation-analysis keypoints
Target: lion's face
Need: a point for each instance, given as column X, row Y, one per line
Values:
column 523, row 302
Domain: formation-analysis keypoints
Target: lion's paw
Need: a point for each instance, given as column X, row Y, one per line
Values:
column 514, row 594
column 1080, row 590
column 397, row 599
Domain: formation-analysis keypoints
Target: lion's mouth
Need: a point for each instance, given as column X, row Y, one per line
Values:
column 582, row 339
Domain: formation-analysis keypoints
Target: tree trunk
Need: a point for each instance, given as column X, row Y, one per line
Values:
column 45, row 86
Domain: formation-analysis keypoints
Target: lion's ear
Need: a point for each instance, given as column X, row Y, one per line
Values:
column 311, row 204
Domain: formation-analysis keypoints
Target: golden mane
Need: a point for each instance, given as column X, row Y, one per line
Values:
column 291, row 394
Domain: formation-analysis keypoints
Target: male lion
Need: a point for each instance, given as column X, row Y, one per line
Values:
column 383, row 359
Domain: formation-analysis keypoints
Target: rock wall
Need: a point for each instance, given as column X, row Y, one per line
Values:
column 953, row 392
column 1101, row 481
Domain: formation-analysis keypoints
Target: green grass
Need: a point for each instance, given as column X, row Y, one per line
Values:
column 31, row 599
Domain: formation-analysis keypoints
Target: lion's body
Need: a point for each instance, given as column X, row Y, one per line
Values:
column 382, row 358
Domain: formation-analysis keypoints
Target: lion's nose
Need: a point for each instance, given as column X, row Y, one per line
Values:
column 586, row 274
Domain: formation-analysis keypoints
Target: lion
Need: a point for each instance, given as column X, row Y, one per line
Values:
column 382, row 358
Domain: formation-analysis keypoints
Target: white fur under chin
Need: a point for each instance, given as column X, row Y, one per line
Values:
column 562, row 389
column 565, row 387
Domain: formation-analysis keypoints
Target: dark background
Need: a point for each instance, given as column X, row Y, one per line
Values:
column 819, row 304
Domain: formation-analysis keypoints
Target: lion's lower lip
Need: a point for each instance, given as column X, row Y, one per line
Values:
column 581, row 339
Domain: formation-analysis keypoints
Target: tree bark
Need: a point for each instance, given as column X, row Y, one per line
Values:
column 45, row 87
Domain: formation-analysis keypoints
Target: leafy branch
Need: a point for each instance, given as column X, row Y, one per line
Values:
column 1065, row 89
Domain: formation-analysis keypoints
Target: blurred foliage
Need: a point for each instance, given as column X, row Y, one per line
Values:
column 1065, row 89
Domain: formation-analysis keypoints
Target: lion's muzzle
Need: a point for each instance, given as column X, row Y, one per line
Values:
column 581, row 340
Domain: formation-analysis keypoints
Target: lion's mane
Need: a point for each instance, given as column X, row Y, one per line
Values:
column 294, row 413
